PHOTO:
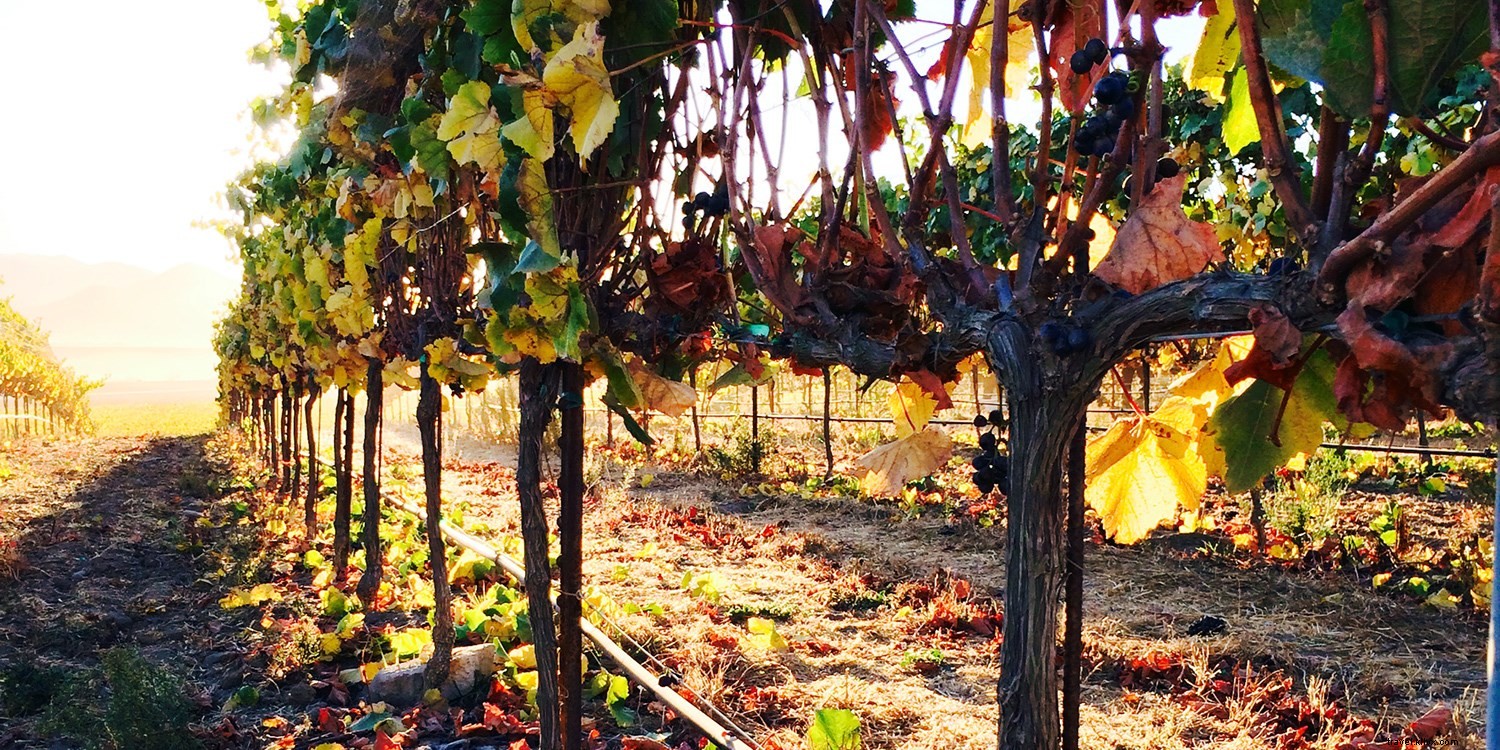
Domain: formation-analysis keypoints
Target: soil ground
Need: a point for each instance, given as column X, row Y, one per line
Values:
column 888, row 613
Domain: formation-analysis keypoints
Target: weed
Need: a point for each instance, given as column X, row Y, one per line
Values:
column 862, row 600
column 137, row 706
column 27, row 688
column 739, row 613
column 926, row 661
column 741, row 456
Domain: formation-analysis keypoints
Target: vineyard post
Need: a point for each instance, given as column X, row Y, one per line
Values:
column 1073, row 624
column 369, row 581
column 697, row 430
column 755, row 429
column 310, row 503
column 570, row 557
column 827, row 421
column 343, row 435
column 294, row 450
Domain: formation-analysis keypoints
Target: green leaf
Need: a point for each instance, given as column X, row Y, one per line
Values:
column 638, row 29
column 536, row 200
column 834, row 729
column 431, row 152
column 1240, row 129
column 1329, row 42
column 1294, row 33
column 631, row 426
column 536, row 260
column 1242, row 424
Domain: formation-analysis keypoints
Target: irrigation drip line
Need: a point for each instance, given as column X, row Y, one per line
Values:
column 721, row 736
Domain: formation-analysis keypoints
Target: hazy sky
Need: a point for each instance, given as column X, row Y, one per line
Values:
column 122, row 122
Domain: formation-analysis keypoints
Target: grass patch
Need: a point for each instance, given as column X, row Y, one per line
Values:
column 168, row 420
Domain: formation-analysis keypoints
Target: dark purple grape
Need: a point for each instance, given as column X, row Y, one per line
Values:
column 1097, row 50
column 980, row 422
column 981, row 463
column 997, row 418
column 1052, row 332
column 702, row 199
column 1078, row 339
column 1124, row 109
column 1109, row 90
column 988, row 442
column 1282, row 266
column 1081, row 62
column 1167, row 168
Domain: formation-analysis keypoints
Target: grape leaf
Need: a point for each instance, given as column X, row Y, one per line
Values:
column 1074, row 90
column 533, row 130
column 889, row 467
column 1159, row 244
column 471, row 128
column 834, row 729
column 1240, row 129
column 911, row 407
column 1218, row 52
column 667, row 396
column 1138, row 473
column 1242, row 424
column 576, row 75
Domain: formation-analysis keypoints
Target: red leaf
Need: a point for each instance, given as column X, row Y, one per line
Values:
column 1072, row 89
column 1277, row 341
column 385, row 741
column 1466, row 223
column 641, row 743
column 1432, row 723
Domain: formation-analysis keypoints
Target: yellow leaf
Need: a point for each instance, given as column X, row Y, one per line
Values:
column 469, row 112
column 763, row 633
column 888, row 468
column 1218, row 51
column 1443, row 600
column 1019, row 46
column 523, row 656
column 331, row 644
column 1138, row 473
column 911, row 407
column 533, row 131
column 472, row 129
column 576, row 74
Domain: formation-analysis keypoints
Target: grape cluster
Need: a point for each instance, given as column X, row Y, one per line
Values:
column 1114, row 105
column 711, row 204
column 1065, row 339
column 991, row 467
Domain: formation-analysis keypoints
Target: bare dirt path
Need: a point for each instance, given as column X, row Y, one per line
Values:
column 105, row 556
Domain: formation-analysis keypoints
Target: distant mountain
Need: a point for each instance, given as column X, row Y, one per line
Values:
column 119, row 307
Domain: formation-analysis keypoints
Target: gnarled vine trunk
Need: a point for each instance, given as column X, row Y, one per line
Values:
column 537, row 394
column 429, row 411
column 1046, row 399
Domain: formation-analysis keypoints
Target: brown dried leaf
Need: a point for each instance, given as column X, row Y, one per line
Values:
column 888, row 468
column 1159, row 244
